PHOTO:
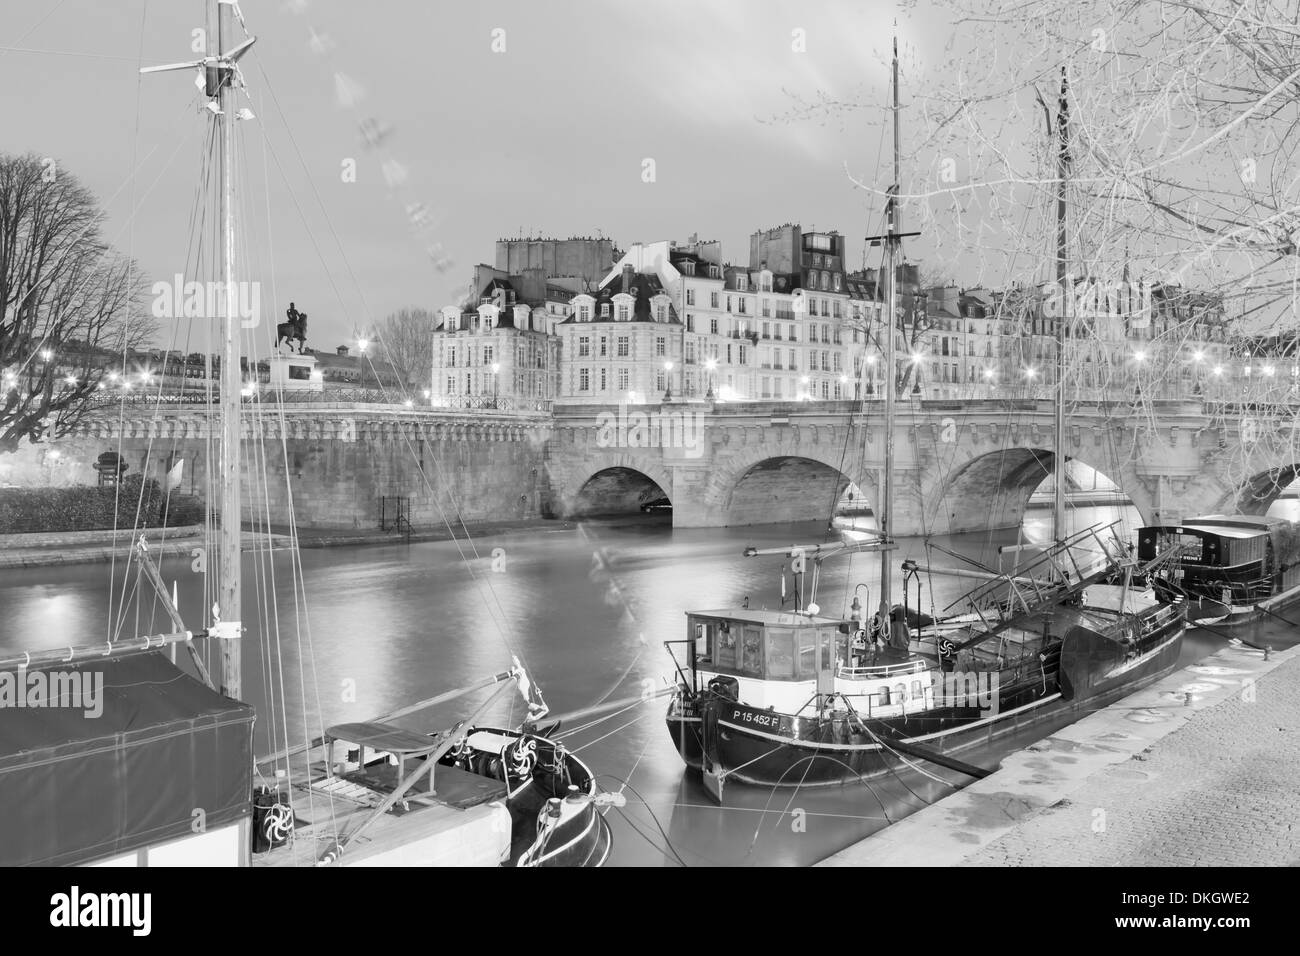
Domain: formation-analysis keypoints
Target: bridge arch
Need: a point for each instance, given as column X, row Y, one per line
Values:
column 992, row 490
column 774, row 486
column 1261, row 490
column 614, row 485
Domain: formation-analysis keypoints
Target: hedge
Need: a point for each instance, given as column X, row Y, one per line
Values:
column 87, row 508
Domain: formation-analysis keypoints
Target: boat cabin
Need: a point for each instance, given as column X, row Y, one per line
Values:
column 783, row 660
column 1238, row 559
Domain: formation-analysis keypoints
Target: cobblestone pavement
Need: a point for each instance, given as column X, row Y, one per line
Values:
column 1222, row 790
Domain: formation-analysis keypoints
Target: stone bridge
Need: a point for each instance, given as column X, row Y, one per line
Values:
column 959, row 466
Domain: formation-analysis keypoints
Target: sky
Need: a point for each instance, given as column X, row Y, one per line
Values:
column 542, row 129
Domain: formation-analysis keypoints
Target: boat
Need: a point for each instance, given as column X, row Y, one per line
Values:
column 1247, row 566
column 780, row 698
column 167, row 738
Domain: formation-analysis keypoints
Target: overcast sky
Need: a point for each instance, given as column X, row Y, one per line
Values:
column 545, row 138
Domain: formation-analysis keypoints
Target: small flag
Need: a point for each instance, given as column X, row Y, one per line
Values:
column 174, row 476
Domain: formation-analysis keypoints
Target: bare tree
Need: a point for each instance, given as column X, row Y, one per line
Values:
column 406, row 338
column 65, row 297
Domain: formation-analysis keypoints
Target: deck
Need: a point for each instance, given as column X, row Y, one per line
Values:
column 464, row 823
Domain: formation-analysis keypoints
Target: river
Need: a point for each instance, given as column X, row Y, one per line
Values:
column 586, row 610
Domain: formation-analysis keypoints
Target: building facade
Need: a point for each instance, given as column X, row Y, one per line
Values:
column 675, row 321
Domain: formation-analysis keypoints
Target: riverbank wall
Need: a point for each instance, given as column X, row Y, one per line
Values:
column 345, row 468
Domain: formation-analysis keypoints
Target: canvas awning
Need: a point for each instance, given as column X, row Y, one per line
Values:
column 106, row 773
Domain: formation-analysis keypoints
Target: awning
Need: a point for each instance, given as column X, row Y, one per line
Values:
column 134, row 746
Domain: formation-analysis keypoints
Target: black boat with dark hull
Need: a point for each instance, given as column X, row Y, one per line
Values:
column 1246, row 566
column 762, row 718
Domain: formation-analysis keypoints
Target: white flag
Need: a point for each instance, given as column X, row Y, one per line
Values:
column 174, row 476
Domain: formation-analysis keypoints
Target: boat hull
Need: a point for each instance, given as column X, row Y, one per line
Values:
column 555, row 820
column 738, row 743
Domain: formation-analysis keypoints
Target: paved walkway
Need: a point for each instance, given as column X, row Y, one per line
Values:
column 79, row 547
column 88, row 547
column 348, row 537
column 1150, row 781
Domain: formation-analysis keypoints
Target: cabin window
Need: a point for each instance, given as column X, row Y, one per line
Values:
column 828, row 649
column 917, row 692
column 726, row 652
column 751, row 661
column 806, row 647
column 780, row 654
column 702, row 643
column 884, row 696
column 900, row 691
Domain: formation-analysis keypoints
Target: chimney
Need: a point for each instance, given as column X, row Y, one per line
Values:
column 628, row 272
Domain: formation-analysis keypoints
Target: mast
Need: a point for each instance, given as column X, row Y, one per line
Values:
column 229, row 597
column 218, row 71
column 892, row 238
column 1062, row 171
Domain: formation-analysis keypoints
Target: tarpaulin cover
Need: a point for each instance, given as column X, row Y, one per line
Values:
column 76, row 787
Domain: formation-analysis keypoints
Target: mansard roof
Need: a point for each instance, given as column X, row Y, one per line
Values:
column 643, row 287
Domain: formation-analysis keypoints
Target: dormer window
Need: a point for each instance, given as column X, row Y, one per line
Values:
column 661, row 313
column 584, row 313
column 742, row 283
column 604, row 310
column 624, row 313
column 688, row 267
column 715, row 272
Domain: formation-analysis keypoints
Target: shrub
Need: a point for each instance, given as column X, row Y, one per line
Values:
column 86, row 508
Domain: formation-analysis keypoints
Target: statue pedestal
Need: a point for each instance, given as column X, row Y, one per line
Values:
column 295, row 373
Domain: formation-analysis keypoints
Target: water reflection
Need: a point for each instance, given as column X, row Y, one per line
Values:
column 586, row 611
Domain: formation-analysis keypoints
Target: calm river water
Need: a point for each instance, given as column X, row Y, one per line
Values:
column 586, row 610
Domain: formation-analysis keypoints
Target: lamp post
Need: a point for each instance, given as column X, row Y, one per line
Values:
column 496, row 369
column 871, row 374
column 668, row 382
column 710, row 366
column 916, row 364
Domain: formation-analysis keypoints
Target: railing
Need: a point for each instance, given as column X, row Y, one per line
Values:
column 498, row 404
column 328, row 395
column 881, row 670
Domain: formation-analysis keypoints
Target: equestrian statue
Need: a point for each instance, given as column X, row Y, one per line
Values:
column 294, row 330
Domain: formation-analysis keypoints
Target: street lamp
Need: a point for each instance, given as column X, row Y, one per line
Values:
column 363, row 344
column 711, row 365
column 496, row 368
column 804, row 382
column 668, row 381
column 871, row 374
